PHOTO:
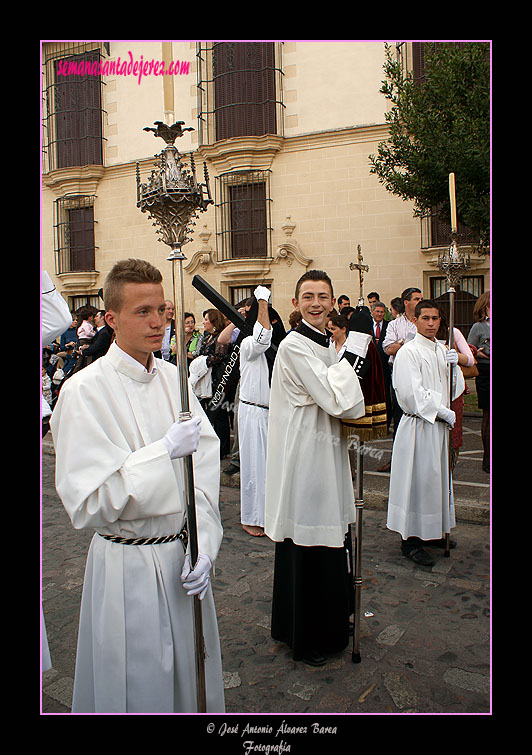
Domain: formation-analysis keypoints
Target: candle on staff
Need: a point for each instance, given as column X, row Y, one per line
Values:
column 452, row 195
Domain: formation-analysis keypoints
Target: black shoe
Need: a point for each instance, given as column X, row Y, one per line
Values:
column 315, row 659
column 418, row 555
column 231, row 469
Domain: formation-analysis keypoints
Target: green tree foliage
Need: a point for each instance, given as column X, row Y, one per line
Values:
column 440, row 126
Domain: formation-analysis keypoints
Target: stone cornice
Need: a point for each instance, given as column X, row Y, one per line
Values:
column 242, row 152
column 74, row 180
column 79, row 281
column 336, row 137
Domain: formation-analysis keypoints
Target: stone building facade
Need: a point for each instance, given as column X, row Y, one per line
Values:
column 285, row 129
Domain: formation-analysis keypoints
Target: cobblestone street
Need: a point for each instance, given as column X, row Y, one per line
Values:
column 425, row 632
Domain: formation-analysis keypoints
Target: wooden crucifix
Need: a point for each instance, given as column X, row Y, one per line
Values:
column 361, row 270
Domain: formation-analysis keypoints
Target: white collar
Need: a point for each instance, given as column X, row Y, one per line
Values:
column 313, row 328
column 128, row 358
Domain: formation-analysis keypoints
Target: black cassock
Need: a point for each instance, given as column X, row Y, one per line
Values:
column 312, row 599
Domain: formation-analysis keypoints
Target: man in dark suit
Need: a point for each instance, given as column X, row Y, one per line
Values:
column 378, row 312
column 98, row 345
column 101, row 341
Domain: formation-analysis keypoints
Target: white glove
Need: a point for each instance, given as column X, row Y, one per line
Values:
column 196, row 582
column 261, row 292
column 357, row 343
column 447, row 415
column 451, row 356
column 182, row 438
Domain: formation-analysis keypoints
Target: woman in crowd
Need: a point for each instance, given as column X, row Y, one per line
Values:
column 213, row 324
column 479, row 340
column 337, row 326
column 396, row 307
column 192, row 335
column 465, row 359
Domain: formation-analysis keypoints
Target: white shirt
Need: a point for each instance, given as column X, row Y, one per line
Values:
column 397, row 330
column 165, row 346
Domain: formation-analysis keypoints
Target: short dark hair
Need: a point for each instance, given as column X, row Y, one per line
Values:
column 343, row 297
column 425, row 304
column 84, row 312
column 407, row 293
column 398, row 305
column 348, row 311
column 340, row 321
column 314, row 275
column 372, row 294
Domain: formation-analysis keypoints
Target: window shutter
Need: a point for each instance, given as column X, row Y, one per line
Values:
column 244, row 88
column 82, row 238
column 78, row 114
column 248, row 221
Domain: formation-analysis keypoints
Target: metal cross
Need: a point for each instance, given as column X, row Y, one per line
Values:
column 361, row 270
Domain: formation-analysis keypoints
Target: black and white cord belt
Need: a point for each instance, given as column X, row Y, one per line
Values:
column 183, row 536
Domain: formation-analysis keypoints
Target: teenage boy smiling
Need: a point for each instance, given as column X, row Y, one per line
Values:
column 309, row 489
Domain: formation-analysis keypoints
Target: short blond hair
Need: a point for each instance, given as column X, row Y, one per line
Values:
column 127, row 271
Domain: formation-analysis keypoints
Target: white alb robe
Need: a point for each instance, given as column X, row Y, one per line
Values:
column 418, row 501
column 309, row 488
column 113, row 473
column 253, row 424
column 55, row 319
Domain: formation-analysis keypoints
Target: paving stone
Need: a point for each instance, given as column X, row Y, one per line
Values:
column 390, row 635
column 467, row 680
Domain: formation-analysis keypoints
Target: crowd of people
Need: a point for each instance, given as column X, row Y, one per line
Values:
column 271, row 400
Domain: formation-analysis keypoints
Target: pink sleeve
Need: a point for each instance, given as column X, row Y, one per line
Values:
column 461, row 345
column 85, row 330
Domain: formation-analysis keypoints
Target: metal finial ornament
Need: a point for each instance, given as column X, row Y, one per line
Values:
column 168, row 133
column 453, row 263
column 173, row 197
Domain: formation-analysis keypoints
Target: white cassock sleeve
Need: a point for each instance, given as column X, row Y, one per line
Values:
column 55, row 314
column 335, row 388
column 258, row 343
